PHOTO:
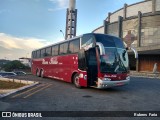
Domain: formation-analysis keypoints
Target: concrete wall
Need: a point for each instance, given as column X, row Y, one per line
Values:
column 114, row 16
column 157, row 5
column 113, row 29
column 150, row 31
column 99, row 30
column 132, row 10
column 144, row 7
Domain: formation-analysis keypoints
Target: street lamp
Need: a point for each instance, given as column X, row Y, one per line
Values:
column 62, row 33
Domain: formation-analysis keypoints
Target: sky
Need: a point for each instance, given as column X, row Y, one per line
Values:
column 26, row 25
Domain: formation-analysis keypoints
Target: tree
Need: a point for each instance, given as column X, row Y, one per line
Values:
column 13, row 65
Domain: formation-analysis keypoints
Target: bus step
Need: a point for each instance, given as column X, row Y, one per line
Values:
column 93, row 86
column 96, row 82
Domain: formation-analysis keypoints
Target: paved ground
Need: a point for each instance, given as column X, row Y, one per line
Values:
column 142, row 94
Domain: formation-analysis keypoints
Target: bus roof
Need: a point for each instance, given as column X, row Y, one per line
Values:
column 62, row 41
column 72, row 39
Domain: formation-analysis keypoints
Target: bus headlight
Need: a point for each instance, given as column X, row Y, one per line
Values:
column 80, row 75
column 128, row 78
column 85, row 77
column 106, row 79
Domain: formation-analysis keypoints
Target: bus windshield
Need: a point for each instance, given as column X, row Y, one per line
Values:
column 115, row 59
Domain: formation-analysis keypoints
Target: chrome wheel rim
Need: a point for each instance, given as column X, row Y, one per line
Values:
column 77, row 81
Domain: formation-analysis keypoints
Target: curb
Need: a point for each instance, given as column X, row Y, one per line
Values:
column 19, row 89
column 145, row 76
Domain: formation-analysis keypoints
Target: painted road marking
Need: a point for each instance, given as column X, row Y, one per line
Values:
column 28, row 91
column 37, row 91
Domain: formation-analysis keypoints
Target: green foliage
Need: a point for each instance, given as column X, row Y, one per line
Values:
column 13, row 65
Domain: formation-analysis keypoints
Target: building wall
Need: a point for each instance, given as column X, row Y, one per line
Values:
column 150, row 29
column 142, row 22
column 144, row 7
column 157, row 5
column 112, row 29
column 131, row 25
column 114, row 16
column 150, row 32
column 100, row 30
column 132, row 10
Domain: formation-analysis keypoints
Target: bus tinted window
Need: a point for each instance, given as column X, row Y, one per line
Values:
column 63, row 48
column 38, row 54
column 118, row 43
column 109, row 41
column 48, row 51
column 33, row 54
column 42, row 53
column 55, row 50
column 74, row 46
column 87, row 39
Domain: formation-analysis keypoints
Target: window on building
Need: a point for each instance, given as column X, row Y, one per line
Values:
column 74, row 46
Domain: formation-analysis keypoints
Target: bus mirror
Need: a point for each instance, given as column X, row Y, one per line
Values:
column 101, row 48
column 135, row 52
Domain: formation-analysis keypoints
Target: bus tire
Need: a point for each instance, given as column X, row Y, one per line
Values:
column 37, row 73
column 76, row 81
column 42, row 73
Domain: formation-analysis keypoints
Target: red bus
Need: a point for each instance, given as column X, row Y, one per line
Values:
column 90, row 60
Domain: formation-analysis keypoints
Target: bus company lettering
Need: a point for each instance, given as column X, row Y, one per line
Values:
column 53, row 61
column 113, row 76
column 44, row 62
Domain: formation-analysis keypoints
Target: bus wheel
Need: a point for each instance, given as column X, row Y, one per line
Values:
column 37, row 73
column 42, row 73
column 76, row 81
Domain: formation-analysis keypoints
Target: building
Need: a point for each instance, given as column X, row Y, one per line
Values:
column 137, row 24
column 71, row 20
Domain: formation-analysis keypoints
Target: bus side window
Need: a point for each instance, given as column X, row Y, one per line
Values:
column 38, row 54
column 33, row 56
column 55, row 50
column 87, row 40
column 74, row 46
column 63, row 48
column 42, row 53
column 48, row 51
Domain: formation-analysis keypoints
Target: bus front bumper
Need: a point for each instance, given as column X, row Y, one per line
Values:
column 102, row 84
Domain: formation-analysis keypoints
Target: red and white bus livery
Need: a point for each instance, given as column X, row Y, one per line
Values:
column 90, row 60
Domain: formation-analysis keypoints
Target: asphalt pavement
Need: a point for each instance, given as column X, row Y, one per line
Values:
column 142, row 94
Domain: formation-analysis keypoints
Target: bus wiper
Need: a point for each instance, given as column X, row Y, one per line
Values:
column 121, row 63
column 117, row 67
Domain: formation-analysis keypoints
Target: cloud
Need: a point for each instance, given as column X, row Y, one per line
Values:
column 18, row 47
column 12, row 42
column 61, row 4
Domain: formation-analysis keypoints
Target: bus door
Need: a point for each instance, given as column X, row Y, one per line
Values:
column 87, row 62
column 92, row 68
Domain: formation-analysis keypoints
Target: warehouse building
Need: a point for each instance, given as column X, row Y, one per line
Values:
column 138, row 25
